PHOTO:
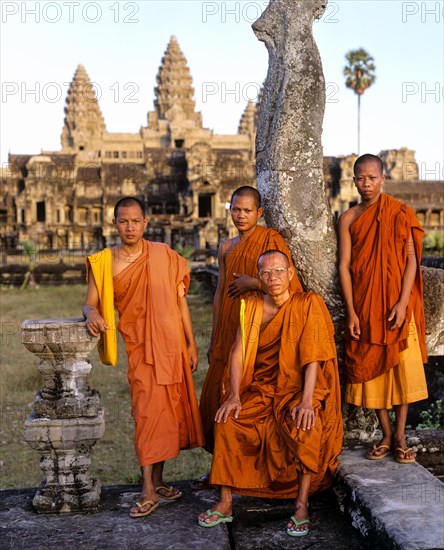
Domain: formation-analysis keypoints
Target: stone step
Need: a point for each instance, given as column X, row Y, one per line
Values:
column 399, row 506
column 259, row 524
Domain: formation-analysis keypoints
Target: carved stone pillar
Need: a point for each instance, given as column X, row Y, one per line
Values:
column 67, row 418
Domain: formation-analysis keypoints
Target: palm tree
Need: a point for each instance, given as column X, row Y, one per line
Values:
column 360, row 76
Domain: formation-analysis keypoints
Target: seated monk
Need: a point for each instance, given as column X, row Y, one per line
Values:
column 279, row 432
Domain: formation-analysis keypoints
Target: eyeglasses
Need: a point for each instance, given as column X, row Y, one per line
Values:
column 277, row 272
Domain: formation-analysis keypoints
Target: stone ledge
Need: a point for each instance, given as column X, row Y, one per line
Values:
column 396, row 506
column 172, row 526
column 258, row 524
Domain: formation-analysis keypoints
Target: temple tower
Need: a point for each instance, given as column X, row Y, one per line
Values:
column 84, row 125
column 174, row 91
column 248, row 125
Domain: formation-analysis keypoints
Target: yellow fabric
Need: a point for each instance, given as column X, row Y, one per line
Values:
column 402, row 384
column 242, row 327
column 101, row 265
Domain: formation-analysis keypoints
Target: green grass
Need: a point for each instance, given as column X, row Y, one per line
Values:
column 113, row 460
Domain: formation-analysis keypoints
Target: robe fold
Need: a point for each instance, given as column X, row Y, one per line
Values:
column 243, row 259
column 379, row 238
column 164, row 403
column 260, row 452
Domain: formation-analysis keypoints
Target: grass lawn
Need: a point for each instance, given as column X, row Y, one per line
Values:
column 114, row 460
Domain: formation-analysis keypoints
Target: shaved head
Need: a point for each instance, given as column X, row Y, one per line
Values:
column 247, row 191
column 273, row 252
column 129, row 201
column 368, row 158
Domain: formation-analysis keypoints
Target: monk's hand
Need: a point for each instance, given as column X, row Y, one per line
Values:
column 231, row 404
column 95, row 323
column 397, row 315
column 353, row 326
column 304, row 415
column 241, row 284
column 194, row 358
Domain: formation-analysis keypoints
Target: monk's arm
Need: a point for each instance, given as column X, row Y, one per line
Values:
column 188, row 329
column 95, row 323
column 241, row 284
column 345, row 250
column 233, row 402
column 218, row 296
column 304, row 412
column 398, row 313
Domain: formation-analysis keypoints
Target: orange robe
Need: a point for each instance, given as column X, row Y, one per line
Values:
column 164, row 403
column 379, row 254
column 259, row 453
column 243, row 259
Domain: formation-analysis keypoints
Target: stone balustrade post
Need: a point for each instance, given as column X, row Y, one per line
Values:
column 67, row 418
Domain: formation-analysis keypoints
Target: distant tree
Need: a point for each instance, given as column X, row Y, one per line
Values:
column 360, row 73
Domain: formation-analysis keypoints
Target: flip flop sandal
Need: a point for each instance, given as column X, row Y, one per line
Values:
column 403, row 460
column 222, row 518
column 377, row 448
column 169, row 489
column 297, row 523
column 140, row 505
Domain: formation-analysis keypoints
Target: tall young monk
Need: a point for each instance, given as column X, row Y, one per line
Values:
column 237, row 275
column 147, row 283
column 380, row 253
column 279, row 432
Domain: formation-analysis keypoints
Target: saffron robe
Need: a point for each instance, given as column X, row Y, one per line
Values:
column 259, row 453
column 242, row 258
column 379, row 238
column 164, row 403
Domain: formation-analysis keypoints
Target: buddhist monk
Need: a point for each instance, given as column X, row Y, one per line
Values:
column 279, row 431
column 237, row 258
column 147, row 283
column 380, row 251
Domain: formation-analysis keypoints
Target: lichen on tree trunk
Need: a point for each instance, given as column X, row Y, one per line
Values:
column 288, row 144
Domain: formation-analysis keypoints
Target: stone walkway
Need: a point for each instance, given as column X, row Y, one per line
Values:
column 259, row 525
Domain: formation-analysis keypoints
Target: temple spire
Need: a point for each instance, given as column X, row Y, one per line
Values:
column 174, row 90
column 84, row 125
column 247, row 123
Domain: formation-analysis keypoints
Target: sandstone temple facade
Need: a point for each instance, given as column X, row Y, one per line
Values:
column 184, row 173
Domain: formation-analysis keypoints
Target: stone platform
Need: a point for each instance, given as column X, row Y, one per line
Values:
column 397, row 506
column 391, row 506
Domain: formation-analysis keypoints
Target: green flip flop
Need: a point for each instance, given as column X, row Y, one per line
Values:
column 293, row 533
column 222, row 518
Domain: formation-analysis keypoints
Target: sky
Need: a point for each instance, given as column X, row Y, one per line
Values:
column 121, row 45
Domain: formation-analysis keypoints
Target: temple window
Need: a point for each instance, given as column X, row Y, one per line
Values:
column 205, row 205
column 421, row 217
column 434, row 217
column 41, row 211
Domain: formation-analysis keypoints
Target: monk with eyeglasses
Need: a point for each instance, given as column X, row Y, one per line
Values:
column 279, row 430
column 237, row 258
